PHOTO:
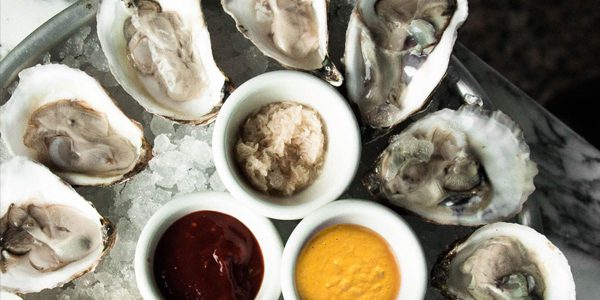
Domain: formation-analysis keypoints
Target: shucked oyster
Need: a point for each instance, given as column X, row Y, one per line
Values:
column 293, row 32
column 49, row 235
column 397, row 52
column 504, row 261
column 467, row 167
column 63, row 118
column 160, row 52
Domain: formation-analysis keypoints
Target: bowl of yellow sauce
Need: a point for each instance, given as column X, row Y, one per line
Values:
column 353, row 249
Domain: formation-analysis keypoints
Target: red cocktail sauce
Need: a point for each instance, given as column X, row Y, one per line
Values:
column 208, row 255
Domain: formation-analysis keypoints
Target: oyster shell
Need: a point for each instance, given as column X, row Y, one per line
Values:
column 64, row 119
column 49, row 234
column 160, row 52
column 293, row 32
column 8, row 296
column 468, row 167
column 397, row 52
column 504, row 261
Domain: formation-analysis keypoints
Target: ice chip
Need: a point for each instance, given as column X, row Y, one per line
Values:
column 160, row 125
column 198, row 151
column 162, row 144
column 215, row 182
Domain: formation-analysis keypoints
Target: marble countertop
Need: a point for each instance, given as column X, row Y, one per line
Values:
column 14, row 27
column 568, row 183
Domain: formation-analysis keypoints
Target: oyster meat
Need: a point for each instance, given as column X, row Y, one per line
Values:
column 397, row 52
column 64, row 119
column 49, row 235
column 467, row 166
column 160, row 52
column 504, row 261
column 293, row 32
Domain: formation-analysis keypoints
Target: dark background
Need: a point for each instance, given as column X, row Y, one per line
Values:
column 550, row 49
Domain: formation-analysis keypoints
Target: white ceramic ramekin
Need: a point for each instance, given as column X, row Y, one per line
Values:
column 401, row 239
column 261, row 227
column 343, row 141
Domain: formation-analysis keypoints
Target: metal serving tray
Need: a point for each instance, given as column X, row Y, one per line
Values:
column 457, row 87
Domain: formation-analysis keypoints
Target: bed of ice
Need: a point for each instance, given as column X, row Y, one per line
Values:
column 182, row 164
column 182, row 161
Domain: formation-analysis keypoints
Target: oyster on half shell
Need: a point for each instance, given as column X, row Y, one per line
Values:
column 293, row 32
column 160, row 52
column 504, row 261
column 466, row 167
column 49, row 235
column 64, row 119
column 397, row 52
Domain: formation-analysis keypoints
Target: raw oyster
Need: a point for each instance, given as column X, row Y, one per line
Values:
column 293, row 32
column 504, row 261
column 468, row 166
column 64, row 119
column 49, row 235
column 160, row 52
column 397, row 52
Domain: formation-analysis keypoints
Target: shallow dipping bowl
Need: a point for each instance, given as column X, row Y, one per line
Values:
column 392, row 228
column 263, row 230
column 342, row 132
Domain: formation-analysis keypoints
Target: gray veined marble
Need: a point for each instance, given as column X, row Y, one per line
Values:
column 568, row 184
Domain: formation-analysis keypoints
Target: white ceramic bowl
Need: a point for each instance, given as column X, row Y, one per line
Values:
column 401, row 239
column 261, row 227
column 343, row 141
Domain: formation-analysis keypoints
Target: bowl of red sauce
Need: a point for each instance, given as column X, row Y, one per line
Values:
column 208, row 246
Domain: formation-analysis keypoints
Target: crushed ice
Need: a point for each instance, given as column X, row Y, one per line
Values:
column 182, row 163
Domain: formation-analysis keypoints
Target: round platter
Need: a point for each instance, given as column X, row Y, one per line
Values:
column 70, row 38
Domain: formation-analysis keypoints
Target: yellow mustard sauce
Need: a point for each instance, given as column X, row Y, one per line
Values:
column 347, row 261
